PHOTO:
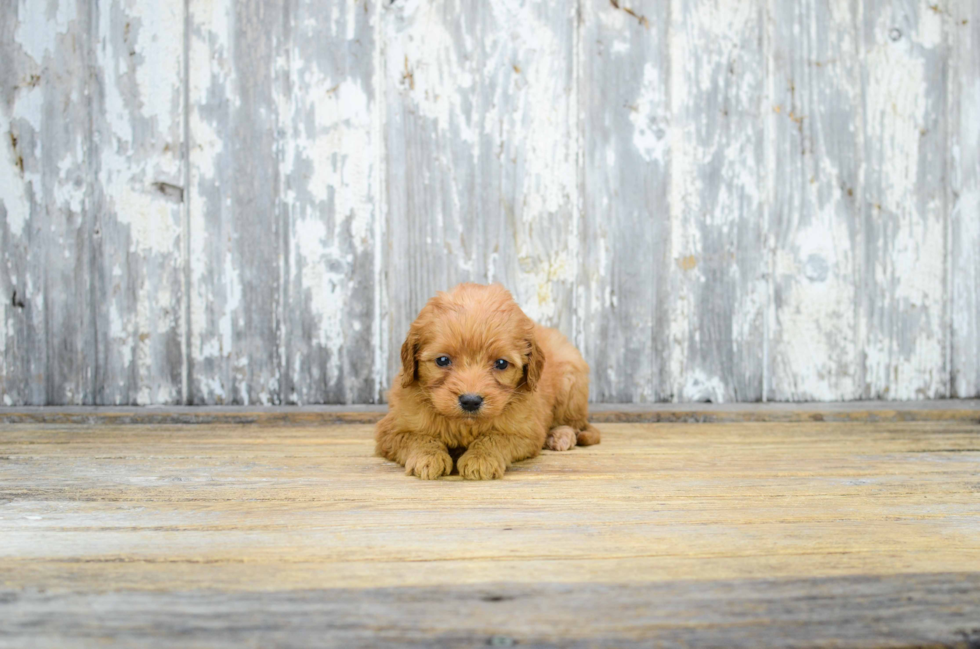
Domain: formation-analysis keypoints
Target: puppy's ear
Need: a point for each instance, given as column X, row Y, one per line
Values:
column 533, row 364
column 410, row 363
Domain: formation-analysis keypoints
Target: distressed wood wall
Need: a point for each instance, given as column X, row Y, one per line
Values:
column 247, row 201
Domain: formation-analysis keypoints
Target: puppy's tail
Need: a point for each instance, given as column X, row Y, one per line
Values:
column 588, row 436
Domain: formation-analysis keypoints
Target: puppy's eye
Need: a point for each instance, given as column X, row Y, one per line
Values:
column 443, row 361
column 501, row 364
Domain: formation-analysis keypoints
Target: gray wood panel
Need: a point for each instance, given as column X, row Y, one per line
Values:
column 248, row 203
column 626, row 225
column 137, row 196
column 964, row 199
column 814, row 182
column 329, row 149
column 851, row 611
column 903, row 283
column 282, row 202
column 235, row 213
column 482, row 174
column 718, row 283
column 49, row 328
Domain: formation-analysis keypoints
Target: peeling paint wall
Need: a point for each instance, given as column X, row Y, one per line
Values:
column 247, row 201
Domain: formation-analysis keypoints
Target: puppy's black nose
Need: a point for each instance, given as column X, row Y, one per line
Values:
column 470, row 402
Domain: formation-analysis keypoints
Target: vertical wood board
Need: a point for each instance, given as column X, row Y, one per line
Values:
column 626, row 216
column 329, row 164
column 719, row 288
column 903, row 284
column 235, row 215
column 964, row 200
column 481, row 147
column 138, row 197
column 814, row 184
column 46, row 165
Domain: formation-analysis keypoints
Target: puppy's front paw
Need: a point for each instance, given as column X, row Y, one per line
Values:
column 561, row 438
column 477, row 465
column 429, row 465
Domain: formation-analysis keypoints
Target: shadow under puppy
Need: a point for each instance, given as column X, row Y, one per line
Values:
column 481, row 381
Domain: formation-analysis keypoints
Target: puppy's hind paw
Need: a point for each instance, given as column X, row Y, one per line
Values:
column 589, row 435
column 474, row 465
column 560, row 438
column 429, row 465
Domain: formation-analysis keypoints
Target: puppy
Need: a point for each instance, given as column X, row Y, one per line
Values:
column 481, row 381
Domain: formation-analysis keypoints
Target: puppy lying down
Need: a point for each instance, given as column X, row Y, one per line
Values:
column 482, row 382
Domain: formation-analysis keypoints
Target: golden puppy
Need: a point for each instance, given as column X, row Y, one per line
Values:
column 480, row 376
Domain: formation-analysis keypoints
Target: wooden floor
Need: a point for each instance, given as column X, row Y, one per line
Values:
column 707, row 534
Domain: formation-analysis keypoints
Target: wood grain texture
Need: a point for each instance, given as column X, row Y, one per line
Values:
column 964, row 199
column 222, row 202
column 138, row 123
column 826, row 534
column 909, row 610
column 482, row 176
column 49, row 328
column 903, row 287
column 815, row 227
column 320, row 415
column 719, row 288
column 329, row 153
column 283, row 202
column 235, row 216
column 626, row 224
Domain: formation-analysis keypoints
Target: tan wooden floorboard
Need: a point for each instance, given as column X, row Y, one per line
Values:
column 852, row 534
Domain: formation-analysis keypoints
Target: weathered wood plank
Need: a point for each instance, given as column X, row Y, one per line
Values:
column 903, row 283
column 22, row 361
column 138, row 201
column 329, row 150
column 910, row 610
column 318, row 496
column 719, row 290
column 481, row 155
column 626, row 216
column 283, row 219
column 815, row 352
column 854, row 411
column 964, row 201
column 235, row 220
column 835, row 534
column 48, row 328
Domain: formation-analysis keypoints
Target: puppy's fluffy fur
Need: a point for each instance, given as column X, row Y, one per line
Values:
column 537, row 397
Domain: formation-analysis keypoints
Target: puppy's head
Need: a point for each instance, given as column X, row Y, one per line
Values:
column 471, row 351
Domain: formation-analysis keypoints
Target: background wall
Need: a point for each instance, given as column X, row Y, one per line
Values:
column 247, row 201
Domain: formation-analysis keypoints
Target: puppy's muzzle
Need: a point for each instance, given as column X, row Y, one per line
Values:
column 470, row 402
